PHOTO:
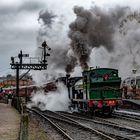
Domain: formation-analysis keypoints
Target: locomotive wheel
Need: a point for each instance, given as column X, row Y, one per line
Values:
column 107, row 111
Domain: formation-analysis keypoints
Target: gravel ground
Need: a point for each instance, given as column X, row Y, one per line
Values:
column 36, row 132
column 9, row 122
column 42, row 130
column 124, row 122
column 105, row 128
column 78, row 133
column 108, row 129
column 112, row 130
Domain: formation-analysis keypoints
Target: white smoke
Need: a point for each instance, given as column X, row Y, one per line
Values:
column 54, row 100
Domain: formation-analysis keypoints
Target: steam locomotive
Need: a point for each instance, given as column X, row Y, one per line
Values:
column 98, row 90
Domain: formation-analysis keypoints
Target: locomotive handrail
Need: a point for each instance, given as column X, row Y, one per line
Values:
column 105, row 88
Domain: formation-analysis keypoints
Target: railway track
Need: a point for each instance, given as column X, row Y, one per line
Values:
column 125, row 123
column 56, row 126
column 123, row 120
column 73, row 129
column 108, row 127
column 126, row 116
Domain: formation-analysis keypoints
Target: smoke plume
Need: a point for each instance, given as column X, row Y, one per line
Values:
column 46, row 17
column 125, row 56
column 128, row 42
column 96, row 28
column 53, row 30
column 93, row 28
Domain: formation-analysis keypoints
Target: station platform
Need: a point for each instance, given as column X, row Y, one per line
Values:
column 131, row 104
column 9, row 122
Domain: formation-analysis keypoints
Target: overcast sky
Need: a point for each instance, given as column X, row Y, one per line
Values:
column 19, row 26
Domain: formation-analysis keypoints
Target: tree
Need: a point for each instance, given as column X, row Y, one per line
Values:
column 9, row 76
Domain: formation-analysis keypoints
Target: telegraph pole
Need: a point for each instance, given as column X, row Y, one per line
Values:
column 17, row 81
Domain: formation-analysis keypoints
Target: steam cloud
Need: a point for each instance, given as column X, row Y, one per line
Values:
column 53, row 30
column 127, row 42
column 55, row 101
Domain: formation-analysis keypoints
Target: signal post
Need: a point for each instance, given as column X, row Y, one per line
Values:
column 41, row 65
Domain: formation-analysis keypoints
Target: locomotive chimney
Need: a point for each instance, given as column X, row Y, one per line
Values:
column 67, row 79
column 68, row 83
column 67, row 75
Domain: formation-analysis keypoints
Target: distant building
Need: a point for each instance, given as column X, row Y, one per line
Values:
column 10, row 81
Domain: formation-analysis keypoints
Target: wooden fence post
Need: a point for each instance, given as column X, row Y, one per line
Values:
column 24, row 121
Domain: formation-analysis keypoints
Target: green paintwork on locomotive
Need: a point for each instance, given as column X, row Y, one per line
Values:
column 97, row 88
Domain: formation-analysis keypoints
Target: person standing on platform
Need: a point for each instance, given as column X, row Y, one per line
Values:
column 124, row 90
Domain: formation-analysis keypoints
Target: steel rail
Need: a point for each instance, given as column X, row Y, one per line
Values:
column 106, row 122
column 114, row 125
column 132, row 116
column 126, row 117
column 73, row 122
column 53, row 124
